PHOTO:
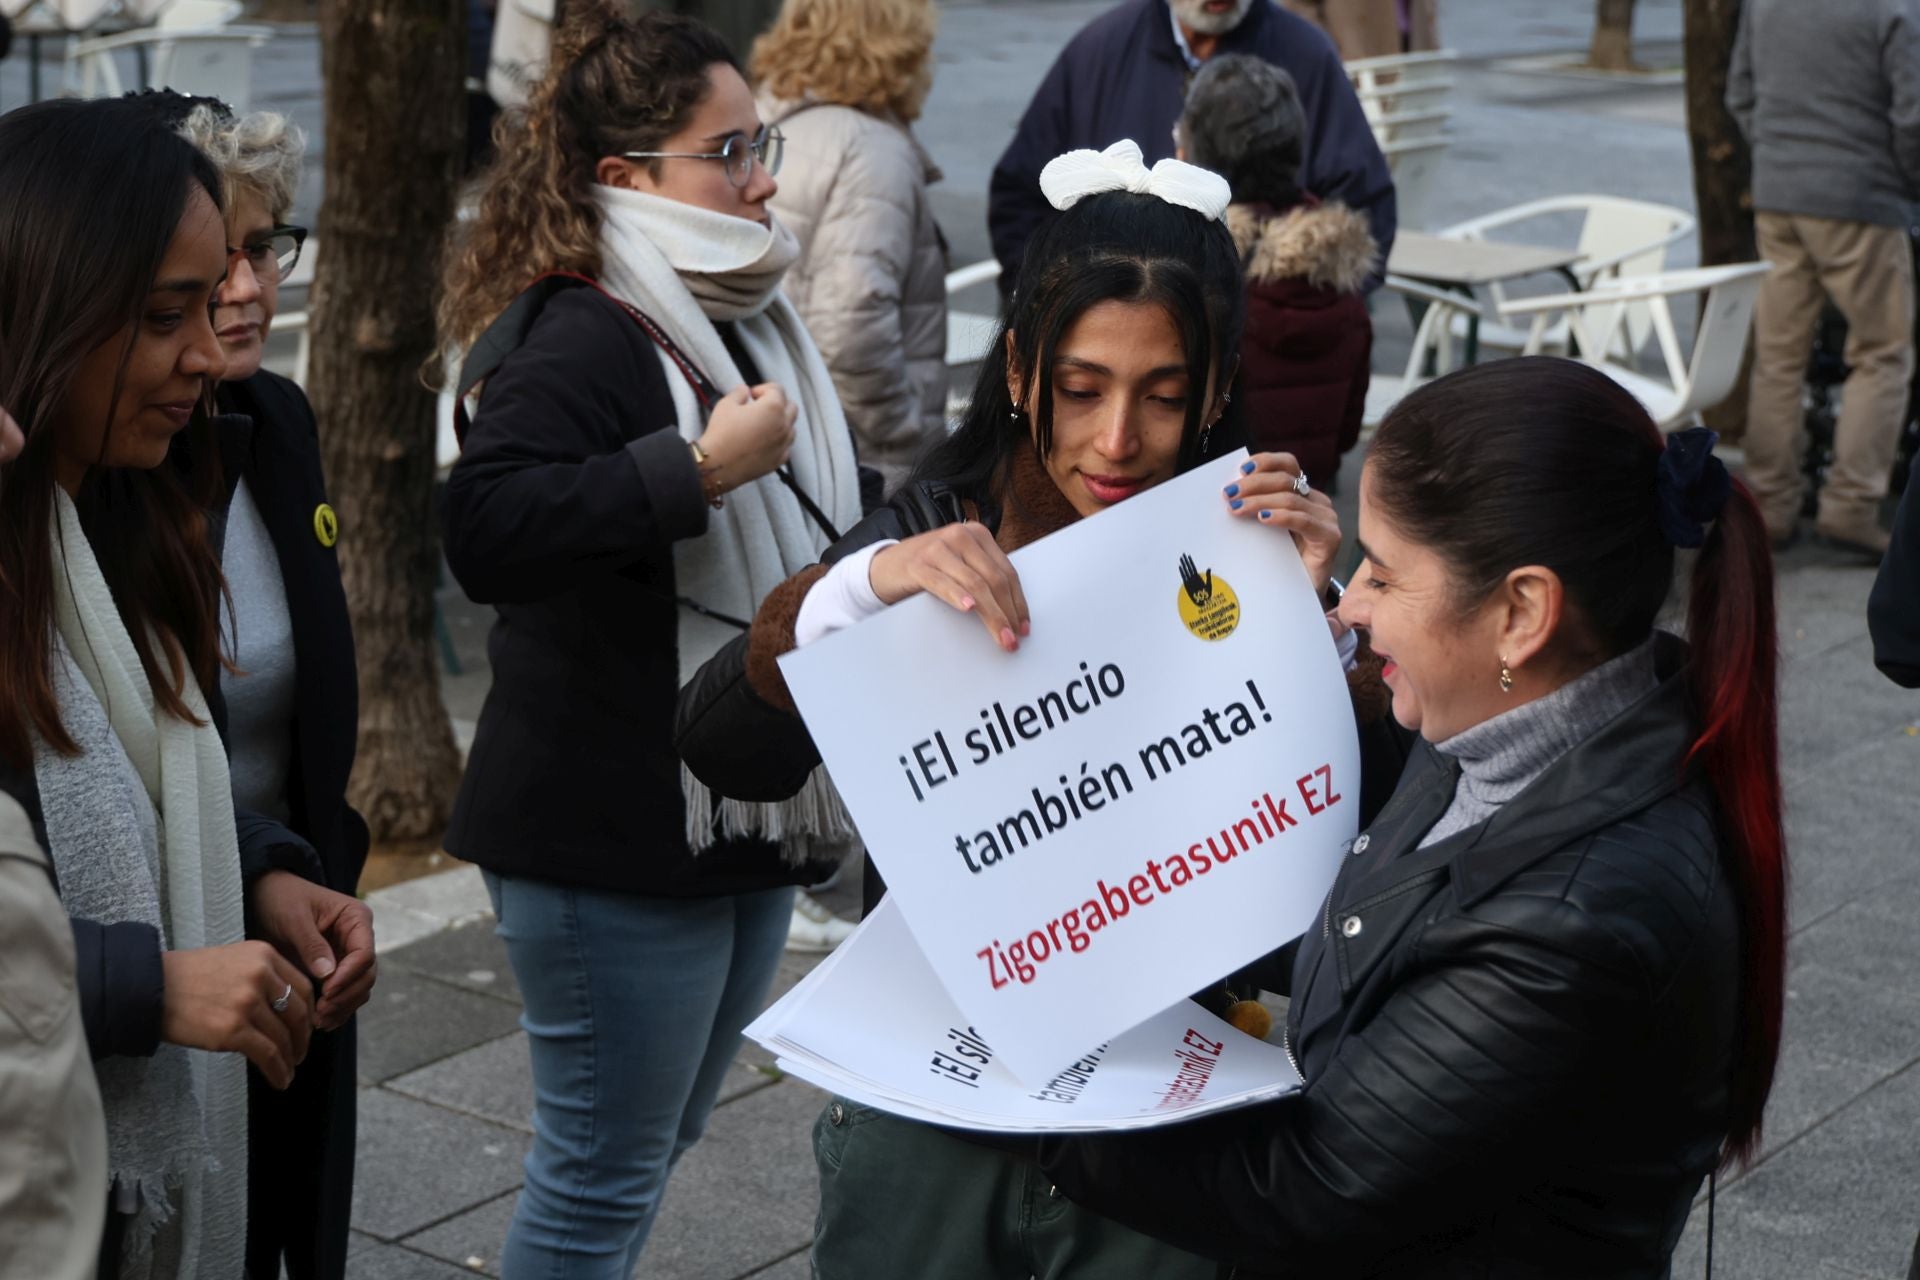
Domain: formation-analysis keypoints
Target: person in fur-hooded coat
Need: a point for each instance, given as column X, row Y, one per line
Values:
column 1308, row 343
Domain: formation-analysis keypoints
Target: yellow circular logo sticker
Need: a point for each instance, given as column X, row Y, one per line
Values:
column 326, row 525
column 1207, row 604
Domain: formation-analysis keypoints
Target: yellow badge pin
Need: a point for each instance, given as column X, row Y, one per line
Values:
column 326, row 525
column 1207, row 604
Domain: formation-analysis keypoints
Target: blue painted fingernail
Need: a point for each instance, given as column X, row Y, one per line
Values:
column 1264, row 515
column 1246, row 468
column 1232, row 489
column 1236, row 504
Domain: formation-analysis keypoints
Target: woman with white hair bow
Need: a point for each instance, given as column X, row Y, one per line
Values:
column 1135, row 258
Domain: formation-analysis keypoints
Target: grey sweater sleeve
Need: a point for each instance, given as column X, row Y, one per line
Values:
column 1900, row 56
column 1740, row 75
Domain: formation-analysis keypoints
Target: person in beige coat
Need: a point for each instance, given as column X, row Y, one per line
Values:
column 53, row 1164
column 1373, row 28
column 844, row 79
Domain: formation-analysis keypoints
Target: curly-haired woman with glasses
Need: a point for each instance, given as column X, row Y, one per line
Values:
column 616, row 501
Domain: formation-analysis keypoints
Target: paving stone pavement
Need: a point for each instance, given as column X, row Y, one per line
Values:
column 445, row 1087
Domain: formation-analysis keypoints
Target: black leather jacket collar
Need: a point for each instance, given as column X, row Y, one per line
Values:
column 1628, row 765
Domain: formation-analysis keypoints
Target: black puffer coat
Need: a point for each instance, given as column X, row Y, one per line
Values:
column 1517, row 1042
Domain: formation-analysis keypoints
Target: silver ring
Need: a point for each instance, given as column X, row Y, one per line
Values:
column 1300, row 485
column 279, row 1004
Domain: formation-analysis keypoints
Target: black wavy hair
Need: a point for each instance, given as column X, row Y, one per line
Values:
column 94, row 192
column 1112, row 247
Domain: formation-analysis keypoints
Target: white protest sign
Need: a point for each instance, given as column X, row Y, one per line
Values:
column 872, row 1023
column 1154, row 791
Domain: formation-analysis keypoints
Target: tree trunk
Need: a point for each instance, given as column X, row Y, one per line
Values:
column 392, row 75
column 1722, row 167
column 1612, row 48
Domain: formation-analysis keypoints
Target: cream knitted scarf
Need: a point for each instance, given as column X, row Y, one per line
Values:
column 140, row 828
column 686, row 267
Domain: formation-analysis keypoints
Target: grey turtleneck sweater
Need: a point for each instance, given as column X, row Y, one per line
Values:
column 1500, row 758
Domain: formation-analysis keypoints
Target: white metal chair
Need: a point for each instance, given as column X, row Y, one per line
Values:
column 1421, row 76
column 1692, row 383
column 1415, row 166
column 187, row 15
column 1410, row 126
column 216, row 61
column 1406, row 97
column 80, row 15
column 1433, row 345
column 1619, row 238
column 969, row 333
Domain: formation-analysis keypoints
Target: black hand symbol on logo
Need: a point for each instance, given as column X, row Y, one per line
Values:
column 1199, row 590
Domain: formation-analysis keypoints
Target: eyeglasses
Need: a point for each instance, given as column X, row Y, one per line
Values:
column 738, row 154
column 272, row 257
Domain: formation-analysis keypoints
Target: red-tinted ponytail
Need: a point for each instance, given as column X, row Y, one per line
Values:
column 1539, row 460
column 1730, row 627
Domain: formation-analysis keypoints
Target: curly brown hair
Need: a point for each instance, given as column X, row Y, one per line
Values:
column 871, row 54
column 615, row 82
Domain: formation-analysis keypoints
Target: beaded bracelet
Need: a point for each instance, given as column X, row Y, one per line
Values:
column 709, row 477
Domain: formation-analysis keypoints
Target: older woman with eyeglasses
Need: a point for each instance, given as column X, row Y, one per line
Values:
column 288, row 705
column 615, row 499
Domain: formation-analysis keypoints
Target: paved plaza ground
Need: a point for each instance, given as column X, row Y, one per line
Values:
column 446, row 1092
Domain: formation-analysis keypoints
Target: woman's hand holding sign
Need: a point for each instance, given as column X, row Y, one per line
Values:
column 1272, row 490
column 962, row 565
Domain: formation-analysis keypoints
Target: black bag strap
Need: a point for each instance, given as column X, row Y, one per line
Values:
column 510, row 329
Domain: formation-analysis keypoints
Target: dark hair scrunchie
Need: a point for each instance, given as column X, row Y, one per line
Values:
column 1693, row 486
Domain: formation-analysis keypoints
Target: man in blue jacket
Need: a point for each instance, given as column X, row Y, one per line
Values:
column 1125, row 76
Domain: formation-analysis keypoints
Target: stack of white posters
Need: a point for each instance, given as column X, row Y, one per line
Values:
column 874, row 1024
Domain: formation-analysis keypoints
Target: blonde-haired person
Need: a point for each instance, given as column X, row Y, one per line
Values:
column 287, row 707
column 617, row 505
column 845, row 79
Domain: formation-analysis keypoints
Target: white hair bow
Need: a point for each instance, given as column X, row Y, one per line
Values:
column 1068, row 179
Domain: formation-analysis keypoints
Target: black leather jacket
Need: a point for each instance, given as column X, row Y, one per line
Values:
column 1517, row 1042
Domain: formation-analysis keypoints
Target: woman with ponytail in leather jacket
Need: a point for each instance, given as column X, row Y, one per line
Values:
column 1544, row 1001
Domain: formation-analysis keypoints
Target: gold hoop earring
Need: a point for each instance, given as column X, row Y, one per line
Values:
column 1506, row 677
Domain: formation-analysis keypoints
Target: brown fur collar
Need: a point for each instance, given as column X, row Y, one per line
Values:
column 1329, row 244
column 1034, row 505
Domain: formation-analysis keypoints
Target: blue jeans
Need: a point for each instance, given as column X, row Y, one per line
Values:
column 634, row 1006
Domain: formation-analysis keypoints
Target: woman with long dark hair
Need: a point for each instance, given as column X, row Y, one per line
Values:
column 111, row 247
column 1109, row 377
column 1544, row 1002
column 617, row 498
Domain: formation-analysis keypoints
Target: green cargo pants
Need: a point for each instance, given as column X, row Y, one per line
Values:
column 901, row 1200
